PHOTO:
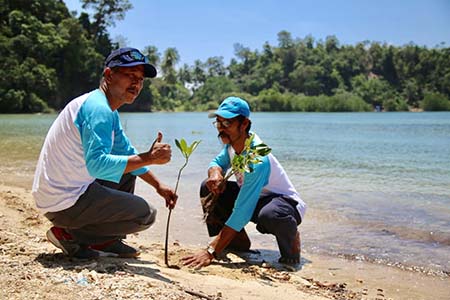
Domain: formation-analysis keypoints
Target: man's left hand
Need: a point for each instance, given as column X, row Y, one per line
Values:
column 198, row 260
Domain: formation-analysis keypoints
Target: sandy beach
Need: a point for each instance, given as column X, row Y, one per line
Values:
column 32, row 268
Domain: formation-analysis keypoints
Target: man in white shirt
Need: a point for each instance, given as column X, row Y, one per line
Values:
column 264, row 196
column 86, row 172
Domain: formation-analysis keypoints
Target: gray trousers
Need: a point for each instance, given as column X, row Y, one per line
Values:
column 106, row 211
column 274, row 214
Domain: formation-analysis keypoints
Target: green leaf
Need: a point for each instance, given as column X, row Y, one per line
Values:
column 183, row 146
column 249, row 141
column 178, row 145
column 251, row 155
column 193, row 146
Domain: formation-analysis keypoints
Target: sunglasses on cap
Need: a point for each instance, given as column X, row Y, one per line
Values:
column 128, row 57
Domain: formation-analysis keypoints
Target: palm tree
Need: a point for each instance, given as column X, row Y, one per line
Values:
column 170, row 59
column 153, row 55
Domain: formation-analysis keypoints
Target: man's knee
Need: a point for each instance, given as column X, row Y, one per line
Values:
column 265, row 221
column 150, row 217
column 204, row 191
column 270, row 221
column 145, row 213
column 266, row 217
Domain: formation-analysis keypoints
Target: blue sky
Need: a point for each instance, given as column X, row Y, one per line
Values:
column 206, row 28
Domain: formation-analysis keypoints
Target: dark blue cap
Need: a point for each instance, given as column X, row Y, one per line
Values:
column 130, row 57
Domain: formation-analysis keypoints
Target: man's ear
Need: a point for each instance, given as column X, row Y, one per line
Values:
column 244, row 123
column 107, row 73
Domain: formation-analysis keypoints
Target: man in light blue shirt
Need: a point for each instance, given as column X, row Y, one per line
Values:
column 86, row 172
column 264, row 196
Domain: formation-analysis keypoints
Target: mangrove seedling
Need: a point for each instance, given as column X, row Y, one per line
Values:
column 186, row 151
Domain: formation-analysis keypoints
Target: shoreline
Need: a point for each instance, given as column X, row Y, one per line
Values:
column 32, row 266
column 156, row 233
column 185, row 227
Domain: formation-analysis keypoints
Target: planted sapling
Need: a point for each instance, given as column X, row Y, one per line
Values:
column 186, row 151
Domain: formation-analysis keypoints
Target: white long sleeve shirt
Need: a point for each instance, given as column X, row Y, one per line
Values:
column 85, row 142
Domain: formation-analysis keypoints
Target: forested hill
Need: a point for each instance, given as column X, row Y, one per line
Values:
column 50, row 55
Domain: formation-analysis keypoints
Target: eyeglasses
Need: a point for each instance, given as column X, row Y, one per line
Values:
column 130, row 56
column 224, row 123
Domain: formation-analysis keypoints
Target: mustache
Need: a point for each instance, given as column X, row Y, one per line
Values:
column 133, row 90
column 222, row 134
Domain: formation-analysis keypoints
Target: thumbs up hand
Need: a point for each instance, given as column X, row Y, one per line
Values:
column 159, row 153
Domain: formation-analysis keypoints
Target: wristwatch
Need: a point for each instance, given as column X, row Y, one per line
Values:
column 211, row 251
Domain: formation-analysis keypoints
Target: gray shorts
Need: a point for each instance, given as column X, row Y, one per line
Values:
column 106, row 211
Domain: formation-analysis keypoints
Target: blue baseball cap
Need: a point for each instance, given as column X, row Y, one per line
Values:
column 232, row 107
column 130, row 57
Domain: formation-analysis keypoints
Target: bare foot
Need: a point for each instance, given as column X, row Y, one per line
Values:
column 295, row 252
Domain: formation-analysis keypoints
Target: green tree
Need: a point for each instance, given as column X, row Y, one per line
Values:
column 435, row 102
column 212, row 92
column 307, row 79
column 273, row 100
column 373, row 90
column 170, row 59
column 79, row 64
column 153, row 55
column 51, row 56
column 395, row 104
column 198, row 74
column 185, row 75
column 412, row 92
column 286, row 53
column 215, row 66
column 105, row 14
column 33, row 46
column 248, row 61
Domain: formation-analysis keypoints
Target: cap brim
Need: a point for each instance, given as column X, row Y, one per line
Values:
column 222, row 113
column 149, row 70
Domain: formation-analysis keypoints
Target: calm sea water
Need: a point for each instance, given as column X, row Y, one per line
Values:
column 377, row 185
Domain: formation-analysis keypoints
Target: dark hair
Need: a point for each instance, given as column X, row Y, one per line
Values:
column 102, row 78
column 241, row 119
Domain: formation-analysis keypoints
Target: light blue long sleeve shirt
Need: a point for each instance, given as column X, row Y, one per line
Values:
column 268, row 177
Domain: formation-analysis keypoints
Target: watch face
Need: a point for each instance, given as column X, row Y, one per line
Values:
column 211, row 251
